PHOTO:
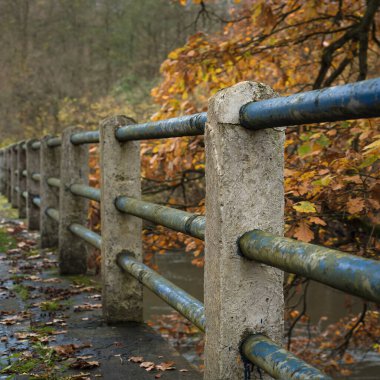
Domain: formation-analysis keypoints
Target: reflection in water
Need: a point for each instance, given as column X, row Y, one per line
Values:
column 322, row 301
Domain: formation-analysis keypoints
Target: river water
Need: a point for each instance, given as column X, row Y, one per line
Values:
column 322, row 301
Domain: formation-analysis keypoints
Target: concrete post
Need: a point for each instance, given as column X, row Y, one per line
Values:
column 2, row 171
column 120, row 174
column 7, row 174
column 49, row 164
column 14, row 194
column 32, row 167
column 244, row 191
column 72, row 209
column 21, row 179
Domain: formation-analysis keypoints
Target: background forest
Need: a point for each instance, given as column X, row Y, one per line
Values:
column 74, row 62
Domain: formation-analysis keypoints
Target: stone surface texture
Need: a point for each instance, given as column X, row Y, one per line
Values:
column 244, row 191
column 21, row 179
column 72, row 250
column 120, row 175
column 32, row 166
column 49, row 164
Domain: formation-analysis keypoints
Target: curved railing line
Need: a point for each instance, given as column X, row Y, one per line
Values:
column 352, row 274
column 178, row 220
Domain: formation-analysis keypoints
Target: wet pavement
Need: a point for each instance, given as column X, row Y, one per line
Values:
column 51, row 327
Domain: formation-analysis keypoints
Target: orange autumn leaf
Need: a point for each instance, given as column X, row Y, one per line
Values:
column 303, row 232
column 355, row 205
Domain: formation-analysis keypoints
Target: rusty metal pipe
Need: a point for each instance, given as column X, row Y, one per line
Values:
column 352, row 274
column 54, row 182
column 182, row 221
column 86, row 192
column 278, row 362
column 89, row 137
column 184, row 303
column 191, row 125
column 87, row 235
column 352, row 101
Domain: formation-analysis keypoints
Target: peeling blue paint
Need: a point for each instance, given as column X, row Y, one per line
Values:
column 352, row 101
column 191, row 125
column 352, row 274
column 86, row 192
column 182, row 221
column 87, row 235
column 184, row 303
column 278, row 362
column 88, row 137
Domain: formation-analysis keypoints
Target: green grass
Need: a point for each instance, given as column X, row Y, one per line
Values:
column 6, row 210
column 22, row 291
column 50, row 306
column 6, row 241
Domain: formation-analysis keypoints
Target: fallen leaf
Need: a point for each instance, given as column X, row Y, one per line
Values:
column 136, row 359
column 303, row 232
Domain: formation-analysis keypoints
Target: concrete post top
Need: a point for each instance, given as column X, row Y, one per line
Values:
column 224, row 106
column 117, row 121
column 31, row 141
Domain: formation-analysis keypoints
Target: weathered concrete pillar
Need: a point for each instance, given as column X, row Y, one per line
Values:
column 33, row 186
column 14, row 175
column 21, row 179
column 72, row 209
column 49, row 164
column 9, row 173
column 120, row 175
column 2, row 162
column 244, row 191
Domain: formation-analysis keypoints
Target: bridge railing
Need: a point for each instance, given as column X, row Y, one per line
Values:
column 242, row 315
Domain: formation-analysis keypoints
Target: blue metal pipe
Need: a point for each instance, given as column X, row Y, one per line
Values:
column 36, row 145
column 278, row 362
column 351, row 101
column 182, row 221
column 54, row 142
column 86, row 192
column 54, row 182
column 184, row 303
column 37, row 201
column 52, row 213
column 36, row 177
column 89, row 137
column 352, row 274
column 87, row 235
column 191, row 125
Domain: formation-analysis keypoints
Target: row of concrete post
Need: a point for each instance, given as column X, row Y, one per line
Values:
column 244, row 191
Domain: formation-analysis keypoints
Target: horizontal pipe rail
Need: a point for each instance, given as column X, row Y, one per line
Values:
column 89, row 137
column 54, row 182
column 191, row 125
column 351, row 101
column 54, row 142
column 37, row 201
column 86, row 192
column 52, row 213
column 278, row 362
column 182, row 221
column 352, row 274
column 188, row 306
column 87, row 235
column 36, row 145
column 36, row 177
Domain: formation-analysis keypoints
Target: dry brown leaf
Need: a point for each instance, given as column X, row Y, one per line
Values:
column 136, row 359
column 303, row 232
column 355, row 205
